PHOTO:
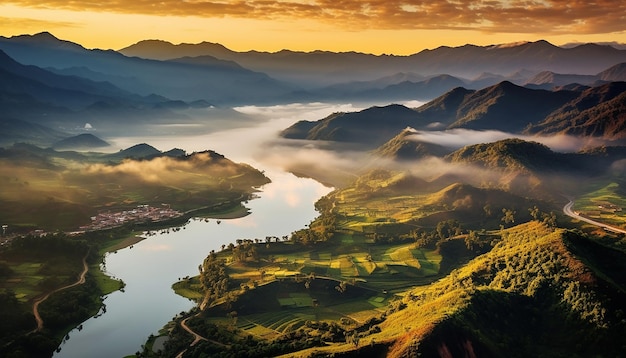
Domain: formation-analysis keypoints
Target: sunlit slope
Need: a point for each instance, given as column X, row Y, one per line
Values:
column 529, row 296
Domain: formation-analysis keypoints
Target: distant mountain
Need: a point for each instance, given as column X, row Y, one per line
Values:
column 67, row 91
column 442, row 111
column 614, row 74
column 137, row 151
column 370, row 127
column 55, row 100
column 319, row 68
column 598, row 111
column 145, row 151
column 555, row 79
column 552, row 80
column 14, row 130
column 398, row 87
column 507, row 107
column 408, row 90
column 80, row 142
column 215, row 82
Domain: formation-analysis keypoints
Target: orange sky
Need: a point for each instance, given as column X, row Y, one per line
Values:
column 373, row 26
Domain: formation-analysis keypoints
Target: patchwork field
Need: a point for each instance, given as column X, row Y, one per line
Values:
column 603, row 202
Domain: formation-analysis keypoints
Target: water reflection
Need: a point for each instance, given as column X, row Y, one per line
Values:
column 154, row 264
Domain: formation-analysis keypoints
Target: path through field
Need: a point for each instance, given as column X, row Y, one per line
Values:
column 80, row 281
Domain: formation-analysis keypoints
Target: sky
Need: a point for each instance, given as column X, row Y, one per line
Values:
column 398, row 27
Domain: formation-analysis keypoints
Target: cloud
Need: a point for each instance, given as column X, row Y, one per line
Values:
column 457, row 138
column 514, row 16
column 10, row 23
column 165, row 170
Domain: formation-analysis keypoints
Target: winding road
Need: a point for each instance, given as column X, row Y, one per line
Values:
column 567, row 210
column 196, row 337
column 80, row 281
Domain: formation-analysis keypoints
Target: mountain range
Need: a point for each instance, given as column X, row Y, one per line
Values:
column 593, row 112
column 51, row 83
column 214, row 81
column 213, row 73
column 322, row 68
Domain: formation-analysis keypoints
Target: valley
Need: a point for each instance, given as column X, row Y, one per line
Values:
column 313, row 204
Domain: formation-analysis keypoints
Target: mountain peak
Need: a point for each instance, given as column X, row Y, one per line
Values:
column 46, row 39
column 40, row 38
column 81, row 141
column 45, row 35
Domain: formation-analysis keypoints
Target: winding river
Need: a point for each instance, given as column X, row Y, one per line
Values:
column 151, row 266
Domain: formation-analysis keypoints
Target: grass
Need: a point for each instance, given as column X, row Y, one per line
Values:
column 33, row 276
column 120, row 243
column 603, row 202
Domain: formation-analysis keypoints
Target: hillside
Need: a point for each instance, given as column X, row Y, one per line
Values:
column 370, row 127
column 404, row 147
column 548, row 78
column 532, row 294
column 614, row 73
column 52, row 194
column 504, row 107
column 510, row 155
column 14, row 131
column 443, row 110
column 137, row 151
column 595, row 111
column 81, row 141
column 598, row 111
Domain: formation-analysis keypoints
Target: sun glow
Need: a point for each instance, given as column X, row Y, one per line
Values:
column 287, row 27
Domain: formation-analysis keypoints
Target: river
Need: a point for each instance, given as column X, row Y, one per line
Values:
column 151, row 266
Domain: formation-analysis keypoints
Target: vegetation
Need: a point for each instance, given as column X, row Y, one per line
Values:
column 382, row 252
column 35, row 266
column 51, row 190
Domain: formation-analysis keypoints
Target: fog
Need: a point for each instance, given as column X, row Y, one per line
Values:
column 165, row 170
column 257, row 142
column 458, row 138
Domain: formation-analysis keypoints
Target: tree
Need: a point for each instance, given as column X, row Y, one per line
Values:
column 509, row 216
column 471, row 240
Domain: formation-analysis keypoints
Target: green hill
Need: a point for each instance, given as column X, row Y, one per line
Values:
column 509, row 154
column 403, row 147
column 531, row 295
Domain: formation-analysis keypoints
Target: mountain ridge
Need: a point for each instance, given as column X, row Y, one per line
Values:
column 466, row 61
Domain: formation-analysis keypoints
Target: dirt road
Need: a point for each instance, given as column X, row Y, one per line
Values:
column 80, row 281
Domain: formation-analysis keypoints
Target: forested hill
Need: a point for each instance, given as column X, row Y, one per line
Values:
column 538, row 292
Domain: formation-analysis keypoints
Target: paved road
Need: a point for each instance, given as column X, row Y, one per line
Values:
column 80, row 281
column 567, row 210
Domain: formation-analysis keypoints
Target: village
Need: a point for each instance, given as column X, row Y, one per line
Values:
column 140, row 214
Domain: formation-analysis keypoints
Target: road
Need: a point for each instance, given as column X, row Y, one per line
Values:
column 196, row 337
column 80, row 281
column 567, row 210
